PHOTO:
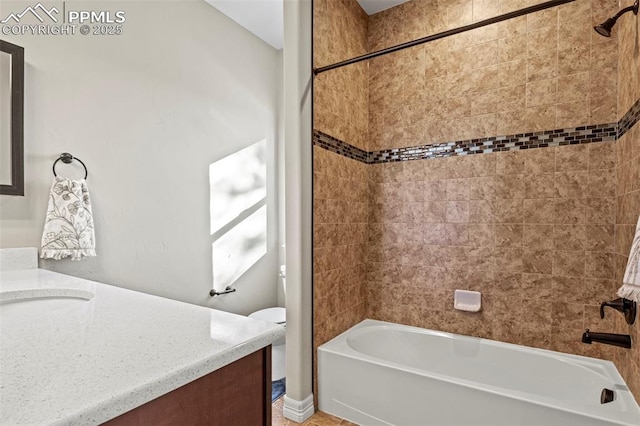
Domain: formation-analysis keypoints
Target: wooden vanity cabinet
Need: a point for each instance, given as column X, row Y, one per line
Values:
column 238, row 394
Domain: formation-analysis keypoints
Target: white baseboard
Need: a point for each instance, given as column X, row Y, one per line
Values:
column 298, row 411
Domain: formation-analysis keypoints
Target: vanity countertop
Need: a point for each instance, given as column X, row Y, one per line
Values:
column 68, row 360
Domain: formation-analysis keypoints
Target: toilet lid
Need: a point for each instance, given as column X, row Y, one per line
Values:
column 275, row 315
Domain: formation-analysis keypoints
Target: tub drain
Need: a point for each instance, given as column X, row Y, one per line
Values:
column 606, row 396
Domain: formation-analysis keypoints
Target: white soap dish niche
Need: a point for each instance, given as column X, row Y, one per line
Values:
column 470, row 301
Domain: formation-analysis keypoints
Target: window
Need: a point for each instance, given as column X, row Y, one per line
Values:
column 238, row 185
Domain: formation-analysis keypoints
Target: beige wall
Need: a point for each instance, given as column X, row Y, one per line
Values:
column 532, row 230
column 543, row 71
column 628, row 182
column 340, row 184
column 628, row 210
column 340, row 238
column 341, row 97
column 298, row 404
column 147, row 112
column 543, row 233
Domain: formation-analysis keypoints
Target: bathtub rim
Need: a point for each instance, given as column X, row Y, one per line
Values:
column 628, row 406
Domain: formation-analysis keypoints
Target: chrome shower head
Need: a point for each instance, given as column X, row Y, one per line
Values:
column 604, row 29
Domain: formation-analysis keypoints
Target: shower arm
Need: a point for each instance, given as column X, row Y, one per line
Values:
column 633, row 8
column 448, row 33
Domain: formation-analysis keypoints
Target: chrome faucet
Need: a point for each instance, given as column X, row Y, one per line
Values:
column 622, row 340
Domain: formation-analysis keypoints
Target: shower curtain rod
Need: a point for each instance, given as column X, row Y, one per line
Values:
column 495, row 19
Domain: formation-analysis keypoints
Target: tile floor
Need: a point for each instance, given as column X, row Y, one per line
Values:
column 318, row 419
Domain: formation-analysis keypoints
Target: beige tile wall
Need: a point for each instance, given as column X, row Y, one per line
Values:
column 627, row 212
column 628, row 30
column 628, row 182
column 542, row 233
column 532, row 230
column 538, row 72
column 341, row 96
column 340, row 232
column 339, row 246
column 340, row 185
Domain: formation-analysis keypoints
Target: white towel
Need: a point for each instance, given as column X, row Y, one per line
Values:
column 68, row 228
column 631, row 282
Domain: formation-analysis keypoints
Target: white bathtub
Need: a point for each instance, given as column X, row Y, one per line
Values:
column 379, row 373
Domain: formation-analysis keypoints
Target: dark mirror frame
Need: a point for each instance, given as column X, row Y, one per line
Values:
column 17, row 119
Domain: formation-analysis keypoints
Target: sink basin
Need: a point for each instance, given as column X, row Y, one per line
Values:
column 14, row 296
column 39, row 306
column 19, row 307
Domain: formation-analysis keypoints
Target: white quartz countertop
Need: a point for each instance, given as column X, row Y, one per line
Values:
column 81, row 352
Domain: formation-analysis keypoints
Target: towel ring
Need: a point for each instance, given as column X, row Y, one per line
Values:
column 67, row 159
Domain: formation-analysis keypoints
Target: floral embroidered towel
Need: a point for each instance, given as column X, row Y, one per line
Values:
column 631, row 282
column 68, row 228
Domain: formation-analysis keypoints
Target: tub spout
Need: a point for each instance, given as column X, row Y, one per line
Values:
column 622, row 340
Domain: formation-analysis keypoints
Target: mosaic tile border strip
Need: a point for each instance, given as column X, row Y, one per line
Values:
column 629, row 120
column 549, row 138
column 332, row 144
column 544, row 139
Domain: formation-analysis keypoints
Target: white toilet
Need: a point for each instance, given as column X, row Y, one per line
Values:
column 278, row 351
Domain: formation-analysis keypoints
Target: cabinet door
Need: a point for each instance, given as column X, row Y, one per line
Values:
column 238, row 394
